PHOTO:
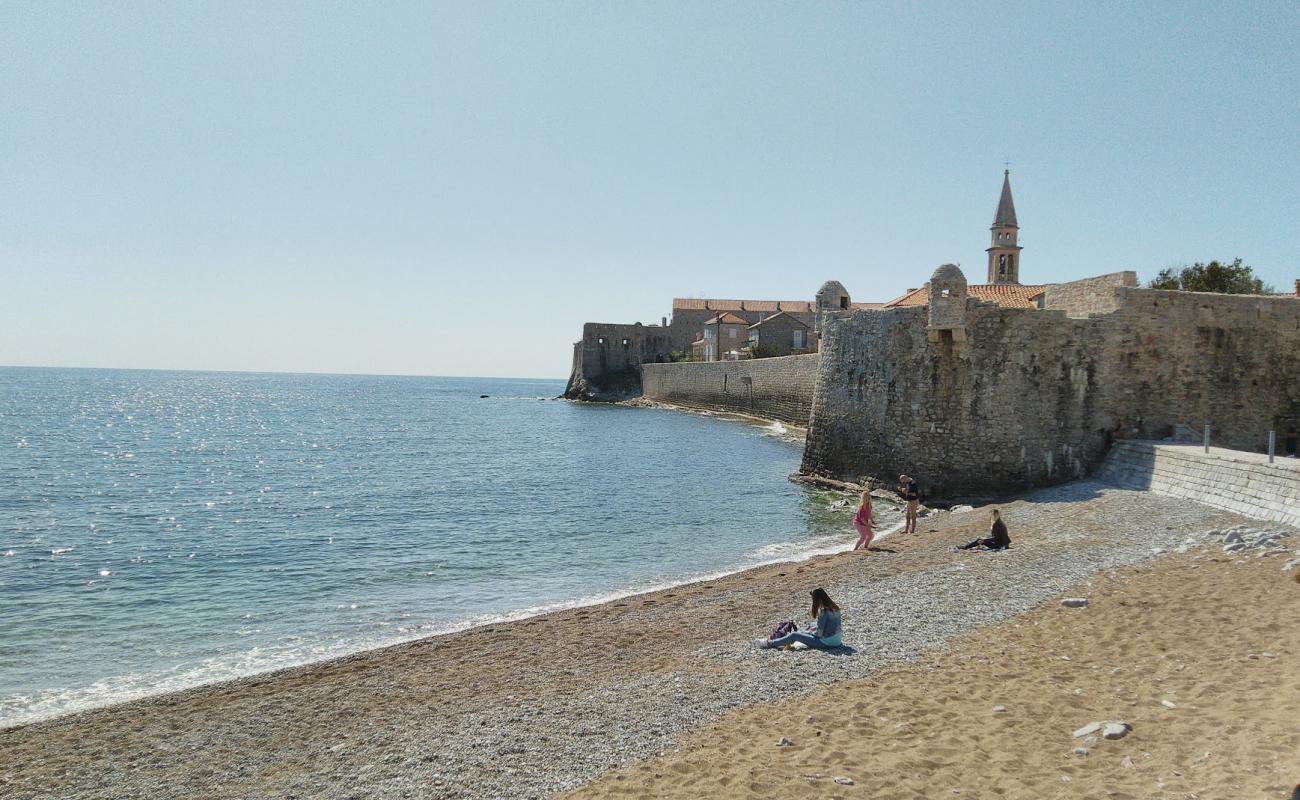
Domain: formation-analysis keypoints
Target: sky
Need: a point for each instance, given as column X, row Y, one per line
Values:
column 453, row 189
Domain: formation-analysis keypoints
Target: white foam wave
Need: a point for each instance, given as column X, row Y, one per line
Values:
column 27, row 708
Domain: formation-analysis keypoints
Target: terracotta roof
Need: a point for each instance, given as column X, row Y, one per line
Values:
column 1007, row 295
column 866, row 306
column 793, row 319
column 704, row 304
column 727, row 319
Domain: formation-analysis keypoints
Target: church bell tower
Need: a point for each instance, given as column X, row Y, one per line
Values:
column 1004, row 255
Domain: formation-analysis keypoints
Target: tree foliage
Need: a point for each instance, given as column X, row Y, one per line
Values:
column 1234, row 278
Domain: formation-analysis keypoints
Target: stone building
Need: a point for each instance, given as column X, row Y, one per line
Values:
column 723, row 336
column 781, row 334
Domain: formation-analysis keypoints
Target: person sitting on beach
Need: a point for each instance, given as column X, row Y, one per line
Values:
column 998, row 538
column 827, row 634
column 910, row 491
column 863, row 521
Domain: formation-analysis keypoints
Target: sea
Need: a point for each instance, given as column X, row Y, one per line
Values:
column 163, row 530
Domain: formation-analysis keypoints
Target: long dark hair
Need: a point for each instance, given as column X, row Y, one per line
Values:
column 821, row 601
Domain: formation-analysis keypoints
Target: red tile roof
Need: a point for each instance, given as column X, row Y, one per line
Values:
column 703, row 304
column 1006, row 295
column 793, row 319
column 727, row 319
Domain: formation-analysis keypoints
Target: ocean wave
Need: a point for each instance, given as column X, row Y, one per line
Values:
column 20, row 709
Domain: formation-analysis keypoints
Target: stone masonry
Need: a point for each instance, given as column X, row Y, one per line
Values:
column 1244, row 483
column 1034, row 397
column 774, row 388
column 1088, row 296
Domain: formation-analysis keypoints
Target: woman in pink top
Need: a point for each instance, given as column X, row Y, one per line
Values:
column 863, row 521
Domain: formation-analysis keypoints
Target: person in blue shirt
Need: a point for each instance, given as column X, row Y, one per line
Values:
column 828, row 633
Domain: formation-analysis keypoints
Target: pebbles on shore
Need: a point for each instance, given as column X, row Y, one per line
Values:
column 532, row 708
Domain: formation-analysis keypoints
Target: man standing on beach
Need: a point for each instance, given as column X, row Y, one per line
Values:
column 911, row 493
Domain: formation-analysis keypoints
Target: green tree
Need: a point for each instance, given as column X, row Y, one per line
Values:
column 1234, row 278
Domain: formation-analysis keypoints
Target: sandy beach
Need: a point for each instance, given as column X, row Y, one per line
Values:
column 1199, row 653
column 665, row 685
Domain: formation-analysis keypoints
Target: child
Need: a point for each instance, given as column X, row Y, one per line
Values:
column 863, row 521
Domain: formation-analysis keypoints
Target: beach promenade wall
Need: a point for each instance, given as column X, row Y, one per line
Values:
column 773, row 388
column 1029, row 397
column 1244, row 483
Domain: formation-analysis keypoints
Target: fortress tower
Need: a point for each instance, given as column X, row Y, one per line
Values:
column 1004, row 255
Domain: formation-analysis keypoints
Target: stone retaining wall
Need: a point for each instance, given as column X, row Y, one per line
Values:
column 1241, row 482
column 773, row 388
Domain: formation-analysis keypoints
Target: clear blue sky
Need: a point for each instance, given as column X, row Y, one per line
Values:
column 432, row 188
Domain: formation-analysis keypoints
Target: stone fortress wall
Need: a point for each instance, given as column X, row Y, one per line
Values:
column 607, row 360
column 1007, row 398
column 773, row 388
column 1095, row 295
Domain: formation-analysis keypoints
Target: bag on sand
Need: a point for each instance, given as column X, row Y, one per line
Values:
column 783, row 629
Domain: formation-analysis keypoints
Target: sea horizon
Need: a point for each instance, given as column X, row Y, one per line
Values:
column 283, row 372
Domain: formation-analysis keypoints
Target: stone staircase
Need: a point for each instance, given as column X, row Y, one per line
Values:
column 1233, row 480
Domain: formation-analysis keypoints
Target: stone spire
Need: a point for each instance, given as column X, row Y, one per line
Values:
column 1006, row 216
column 1004, row 254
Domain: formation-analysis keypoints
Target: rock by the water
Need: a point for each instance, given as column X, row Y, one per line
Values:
column 1081, row 751
column 1075, row 602
column 1168, row 704
column 999, row 709
column 844, row 780
column 785, row 742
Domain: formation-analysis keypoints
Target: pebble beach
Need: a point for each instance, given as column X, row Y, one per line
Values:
column 603, row 698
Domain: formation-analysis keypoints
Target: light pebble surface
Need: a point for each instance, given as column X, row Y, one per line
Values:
column 530, row 708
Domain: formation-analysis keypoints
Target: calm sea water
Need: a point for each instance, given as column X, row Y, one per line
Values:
column 161, row 530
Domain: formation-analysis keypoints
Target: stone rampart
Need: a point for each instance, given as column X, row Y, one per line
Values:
column 607, row 362
column 773, row 388
column 1245, row 483
column 1034, row 397
column 1094, row 295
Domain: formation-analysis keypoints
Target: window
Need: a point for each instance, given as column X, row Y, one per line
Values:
column 626, row 342
column 798, row 339
column 946, row 293
column 844, row 302
column 600, row 340
column 708, row 333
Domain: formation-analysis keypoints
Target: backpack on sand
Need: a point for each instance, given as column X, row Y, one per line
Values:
column 783, row 629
